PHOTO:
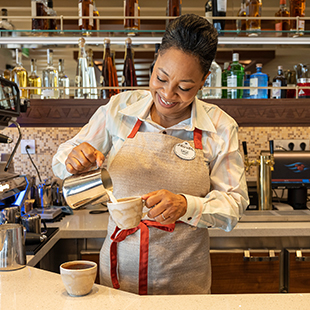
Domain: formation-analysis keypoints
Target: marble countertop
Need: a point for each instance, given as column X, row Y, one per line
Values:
column 31, row 288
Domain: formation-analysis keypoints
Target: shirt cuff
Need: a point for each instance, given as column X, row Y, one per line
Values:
column 194, row 210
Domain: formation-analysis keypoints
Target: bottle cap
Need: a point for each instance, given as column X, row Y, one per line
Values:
column 81, row 41
column 259, row 65
column 128, row 41
column 235, row 57
column 106, row 41
column 226, row 65
column 280, row 68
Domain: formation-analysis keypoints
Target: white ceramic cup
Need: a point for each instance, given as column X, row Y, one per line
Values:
column 127, row 212
column 78, row 276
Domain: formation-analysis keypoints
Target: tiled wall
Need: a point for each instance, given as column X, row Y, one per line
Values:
column 48, row 139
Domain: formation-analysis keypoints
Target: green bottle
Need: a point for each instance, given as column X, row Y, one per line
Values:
column 224, row 79
column 235, row 78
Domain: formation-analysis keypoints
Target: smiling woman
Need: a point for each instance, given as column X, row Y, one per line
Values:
column 179, row 154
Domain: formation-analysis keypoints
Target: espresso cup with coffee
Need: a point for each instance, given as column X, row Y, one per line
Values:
column 127, row 212
column 78, row 276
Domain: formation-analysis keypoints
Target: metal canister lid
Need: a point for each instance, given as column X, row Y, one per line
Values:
column 303, row 81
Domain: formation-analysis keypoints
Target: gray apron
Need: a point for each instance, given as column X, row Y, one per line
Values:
column 154, row 258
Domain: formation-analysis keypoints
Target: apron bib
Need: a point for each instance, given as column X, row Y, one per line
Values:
column 153, row 258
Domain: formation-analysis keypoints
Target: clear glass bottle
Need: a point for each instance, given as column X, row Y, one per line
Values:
column 82, row 77
column 253, row 9
column 209, row 11
column 63, row 80
column 241, row 24
column 38, row 8
column 129, row 77
column 174, row 8
column 5, row 25
column 20, row 75
column 92, row 75
column 259, row 79
column 51, row 23
column 50, row 78
column 131, row 8
column 282, row 24
column 297, row 8
column 34, row 80
column 86, row 9
column 224, row 79
column 279, row 81
column 219, row 8
column 246, row 92
column 214, row 79
column 109, row 76
column 235, row 78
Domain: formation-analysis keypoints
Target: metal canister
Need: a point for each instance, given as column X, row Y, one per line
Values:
column 303, row 92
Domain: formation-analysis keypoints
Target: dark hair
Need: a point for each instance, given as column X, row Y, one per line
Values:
column 193, row 35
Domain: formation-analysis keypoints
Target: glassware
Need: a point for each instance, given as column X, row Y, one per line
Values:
column 241, row 23
column 208, row 11
column 214, row 79
column 92, row 75
column 279, row 81
column 109, row 76
column 50, row 78
column 5, row 24
column 291, row 82
column 82, row 77
column 297, row 8
column 34, row 80
column 282, row 25
column 219, row 8
column 51, row 23
column 235, row 78
column 259, row 79
column 86, row 9
column 246, row 92
column 224, row 79
column 7, row 73
column 96, row 21
column 129, row 77
column 20, row 75
column 131, row 8
column 38, row 8
column 174, row 8
column 253, row 9
column 63, row 80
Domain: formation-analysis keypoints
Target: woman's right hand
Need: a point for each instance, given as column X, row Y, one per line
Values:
column 82, row 158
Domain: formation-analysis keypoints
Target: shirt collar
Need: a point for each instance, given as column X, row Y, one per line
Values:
column 199, row 115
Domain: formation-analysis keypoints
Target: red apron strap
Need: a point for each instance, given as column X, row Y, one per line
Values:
column 197, row 138
column 135, row 129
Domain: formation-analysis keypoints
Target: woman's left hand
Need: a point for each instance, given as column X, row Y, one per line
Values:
column 167, row 207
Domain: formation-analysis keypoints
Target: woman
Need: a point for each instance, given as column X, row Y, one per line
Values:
column 180, row 154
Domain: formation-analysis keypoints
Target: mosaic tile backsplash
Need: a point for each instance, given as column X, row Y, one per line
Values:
column 48, row 139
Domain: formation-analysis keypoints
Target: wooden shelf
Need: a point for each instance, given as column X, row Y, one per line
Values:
column 246, row 112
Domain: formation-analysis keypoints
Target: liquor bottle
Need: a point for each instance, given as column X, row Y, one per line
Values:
column 219, row 8
column 96, row 21
column 224, row 79
column 246, row 92
column 131, row 8
column 50, row 78
column 157, row 46
column 214, row 79
column 297, row 8
column 51, row 23
column 63, row 80
column 291, row 82
column 235, row 78
column 282, row 25
column 241, row 23
column 34, row 80
column 209, row 11
column 86, row 9
column 174, row 8
column 92, row 75
column 108, row 77
column 259, row 79
column 20, row 75
column 253, row 9
column 82, row 77
column 129, row 77
column 38, row 8
column 7, row 73
column 279, row 81
column 5, row 25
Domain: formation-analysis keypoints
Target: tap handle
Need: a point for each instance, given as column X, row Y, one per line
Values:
column 271, row 146
column 245, row 149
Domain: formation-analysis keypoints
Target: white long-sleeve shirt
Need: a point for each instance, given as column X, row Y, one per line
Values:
column 111, row 124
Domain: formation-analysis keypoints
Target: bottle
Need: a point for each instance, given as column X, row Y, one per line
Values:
column 92, row 75
column 259, row 79
column 174, row 8
column 224, row 79
column 63, row 80
column 246, row 92
column 214, row 79
column 282, row 25
column 291, row 82
column 51, row 23
column 34, row 80
column 235, row 78
column 82, row 77
column 50, row 78
column 297, row 8
column 131, row 8
column 157, row 46
column 108, row 77
column 20, row 75
column 219, row 8
column 129, row 77
column 96, row 21
column 241, row 23
column 209, row 11
column 253, row 9
column 7, row 73
column 38, row 8
column 279, row 81
column 86, row 9
column 5, row 25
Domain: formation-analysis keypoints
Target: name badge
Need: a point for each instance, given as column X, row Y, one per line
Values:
column 184, row 151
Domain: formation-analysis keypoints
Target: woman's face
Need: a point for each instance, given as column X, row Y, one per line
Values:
column 174, row 83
